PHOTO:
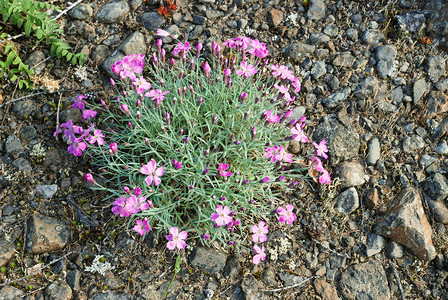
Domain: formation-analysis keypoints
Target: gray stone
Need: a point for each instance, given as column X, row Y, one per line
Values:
column 442, row 148
column 174, row 32
column 73, row 280
column 135, row 4
column 46, row 234
column 373, row 37
column 28, row 133
column 352, row 34
column 319, row 38
column 209, row 260
column 13, row 144
column 397, row 95
column 318, row 69
column 199, row 20
column 212, row 14
column 332, row 81
column 395, row 250
column 232, row 24
column 385, row 56
column 23, row 108
column 22, row 165
column 133, row 44
column 356, row 18
column 81, row 11
column 375, row 244
column 406, row 223
column 344, row 59
column 47, row 191
column 127, row 296
column 152, row 21
column 347, row 202
column 413, row 143
column 435, row 67
column 36, row 60
column 331, row 30
column 334, row 100
column 436, row 186
column 438, row 210
column 411, row 22
column 11, row 293
column 419, row 89
column 342, row 142
column 196, row 33
column 316, row 11
column 242, row 23
column 112, row 12
column 232, row 269
column 99, row 53
column 374, row 152
column 73, row 114
column 77, row 27
column 298, row 51
column 58, row 290
column 437, row 104
column 251, row 286
column 109, row 61
column 365, row 281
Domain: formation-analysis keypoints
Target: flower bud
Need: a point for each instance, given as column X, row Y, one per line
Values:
column 89, row 178
column 112, row 82
column 159, row 43
column 139, row 116
column 147, row 141
column 137, row 191
column 207, row 69
column 168, row 119
column 205, row 171
column 243, row 97
column 227, row 72
column 205, row 236
column 215, row 118
column 126, row 190
column 113, row 147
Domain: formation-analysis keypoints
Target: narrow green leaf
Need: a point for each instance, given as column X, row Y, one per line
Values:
column 8, row 47
column 28, row 25
column 20, row 84
column 39, row 33
column 17, row 60
column 10, row 58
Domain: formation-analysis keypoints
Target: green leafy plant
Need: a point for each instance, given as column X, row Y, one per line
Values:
column 32, row 17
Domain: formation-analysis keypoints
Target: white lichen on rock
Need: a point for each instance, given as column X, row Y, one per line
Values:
column 278, row 249
column 81, row 73
column 293, row 18
column 100, row 267
column 38, row 150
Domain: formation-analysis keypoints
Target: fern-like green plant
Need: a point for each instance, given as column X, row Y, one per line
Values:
column 33, row 19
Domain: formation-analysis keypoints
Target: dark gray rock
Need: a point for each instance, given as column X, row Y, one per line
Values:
column 352, row 34
column 108, row 62
column 437, row 104
column 73, row 114
column 58, row 290
column 435, row 67
column 298, row 51
column 36, row 61
column 112, row 12
column 436, row 186
column 152, row 21
column 22, row 165
column 366, row 88
column 334, row 100
column 11, row 293
column 342, row 142
column 319, row 38
column 356, row 18
column 385, row 56
column 73, row 279
column 28, row 133
column 411, row 22
column 375, row 244
column 13, row 144
column 99, row 54
column 318, row 69
column 115, row 296
column 212, row 14
column 81, row 11
column 365, row 281
column 442, row 148
column 397, row 95
column 347, row 202
column 332, row 82
column 232, row 269
column 133, row 44
column 251, row 286
column 23, row 108
column 209, row 260
column 316, row 10
column 77, row 27
column 196, row 33
column 438, row 210
column 46, row 234
column 373, row 37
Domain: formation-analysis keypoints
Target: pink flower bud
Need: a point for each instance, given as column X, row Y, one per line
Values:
column 147, row 141
column 137, row 191
column 113, row 147
column 206, row 68
column 227, row 72
column 112, row 81
column 89, row 178
column 159, row 43
column 126, row 190
column 199, row 46
column 168, row 119
column 125, row 108
column 139, row 116
column 162, row 33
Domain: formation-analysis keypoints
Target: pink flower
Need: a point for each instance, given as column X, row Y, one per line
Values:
column 271, row 153
column 177, row 164
column 325, row 178
column 156, row 95
column 141, row 85
column 176, row 239
column 142, row 226
column 89, row 178
column 299, row 135
column 153, row 172
column 270, row 118
column 247, row 70
column 132, row 205
column 282, row 72
column 78, row 102
column 296, row 84
column 118, row 206
column 321, row 149
column 77, row 147
column 283, row 155
column 221, row 216
column 181, row 48
column 260, row 255
column 113, row 147
column 259, row 232
column 286, row 215
column 86, row 114
column 132, row 64
column 317, row 164
column 281, row 88
column 258, row 49
column 222, row 168
column 97, row 137
column 162, row 33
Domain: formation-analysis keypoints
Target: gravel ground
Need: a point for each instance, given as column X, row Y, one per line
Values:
column 373, row 85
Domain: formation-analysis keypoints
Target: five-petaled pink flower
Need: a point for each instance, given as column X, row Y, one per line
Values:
column 286, row 215
column 325, row 178
column 271, row 153
column 247, row 70
column 221, row 216
column 141, row 85
column 282, row 155
column 176, row 239
column 321, row 149
column 259, row 232
column 222, row 170
column 184, row 48
column 270, row 118
column 153, row 172
column 299, row 135
column 282, row 72
column 260, row 255
column 142, row 226
column 97, row 137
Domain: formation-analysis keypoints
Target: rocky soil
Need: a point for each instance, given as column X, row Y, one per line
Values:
column 373, row 85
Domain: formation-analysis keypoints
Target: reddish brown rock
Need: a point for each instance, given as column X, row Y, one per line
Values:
column 372, row 198
column 325, row 289
column 6, row 252
column 437, row 103
column 276, row 17
column 406, row 224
